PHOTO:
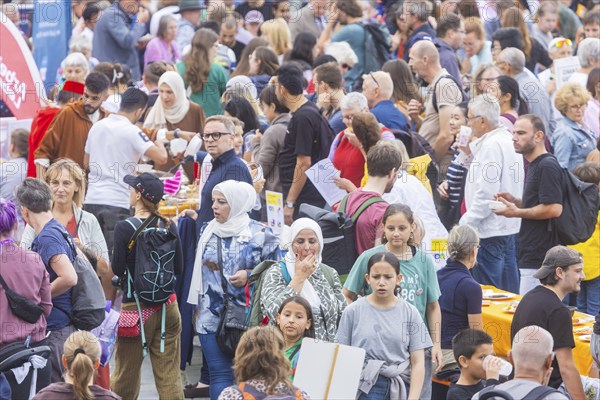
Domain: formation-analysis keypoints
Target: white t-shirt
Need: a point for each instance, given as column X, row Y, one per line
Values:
column 409, row 190
column 114, row 146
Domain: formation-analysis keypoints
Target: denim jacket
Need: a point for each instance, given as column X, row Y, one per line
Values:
column 572, row 143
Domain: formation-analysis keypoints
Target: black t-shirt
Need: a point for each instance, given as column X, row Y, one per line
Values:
column 464, row 392
column 266, row 9
column 542, row 307
column 237, row 50
column 308, row 134
column 543, row 185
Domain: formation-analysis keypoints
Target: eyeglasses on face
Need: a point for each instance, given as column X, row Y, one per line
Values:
column 214, row 135
column 470, row 119
column 577, row 107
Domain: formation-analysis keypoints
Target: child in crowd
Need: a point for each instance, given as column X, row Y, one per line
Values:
column 471, row 347
column 419, row 286
column 588, row 300
column 295, row 320
column 395, row 359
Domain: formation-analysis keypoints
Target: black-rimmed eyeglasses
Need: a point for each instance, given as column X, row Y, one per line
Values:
column 214, row 135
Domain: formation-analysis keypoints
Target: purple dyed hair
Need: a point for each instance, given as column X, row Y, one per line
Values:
column 8, row 216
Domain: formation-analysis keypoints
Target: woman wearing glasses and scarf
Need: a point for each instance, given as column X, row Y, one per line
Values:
column 173, row 116
column 230, row 246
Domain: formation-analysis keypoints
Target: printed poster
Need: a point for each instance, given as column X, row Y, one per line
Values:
column 275, row 211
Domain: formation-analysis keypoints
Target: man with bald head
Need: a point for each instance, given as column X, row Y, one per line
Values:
column 424, row 60
column 511, row 61
column 532, row 355
column 378, row 88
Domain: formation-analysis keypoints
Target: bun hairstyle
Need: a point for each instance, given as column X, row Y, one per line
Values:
column 461, row 240
column 398, row 208
column 388, row 257
column 81, row 354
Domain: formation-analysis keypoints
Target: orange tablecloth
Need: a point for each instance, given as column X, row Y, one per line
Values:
column 496, row 323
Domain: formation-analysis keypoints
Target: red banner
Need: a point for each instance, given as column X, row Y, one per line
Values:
column 22, row 88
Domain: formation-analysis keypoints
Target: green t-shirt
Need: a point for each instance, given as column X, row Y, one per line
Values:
column 209, row 98
column 419, row 285
column 292, row 354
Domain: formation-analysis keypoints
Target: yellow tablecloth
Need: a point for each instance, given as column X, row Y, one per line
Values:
column 496, row 323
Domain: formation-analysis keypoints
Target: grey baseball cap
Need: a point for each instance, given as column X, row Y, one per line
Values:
column 558, row 256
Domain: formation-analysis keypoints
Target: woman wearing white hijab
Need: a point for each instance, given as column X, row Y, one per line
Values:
column 174, row 112
column 307, row 276
column 244, row 243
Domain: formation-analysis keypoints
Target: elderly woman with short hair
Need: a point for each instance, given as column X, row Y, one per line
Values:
column 163, row 47
column 461, row 294
column 572, row 142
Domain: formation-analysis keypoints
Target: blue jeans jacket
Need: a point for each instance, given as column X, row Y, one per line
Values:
column 572, row 143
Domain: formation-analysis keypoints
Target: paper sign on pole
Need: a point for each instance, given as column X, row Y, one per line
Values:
column 275, row 211
column 329, row 370
column 564, row 68
column 322, row 175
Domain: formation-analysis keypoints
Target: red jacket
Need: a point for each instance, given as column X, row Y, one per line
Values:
column 39, row 126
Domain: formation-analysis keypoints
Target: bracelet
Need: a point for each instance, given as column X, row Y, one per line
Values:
column 176, row 133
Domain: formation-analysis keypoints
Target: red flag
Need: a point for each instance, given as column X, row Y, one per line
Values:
column 22, row 88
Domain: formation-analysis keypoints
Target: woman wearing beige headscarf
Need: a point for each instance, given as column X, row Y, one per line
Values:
column 174, row 115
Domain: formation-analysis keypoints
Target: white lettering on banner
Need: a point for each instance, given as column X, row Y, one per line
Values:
column 10, row 80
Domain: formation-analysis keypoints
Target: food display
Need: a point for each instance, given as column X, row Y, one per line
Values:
column 512, row 307
column 185, row 199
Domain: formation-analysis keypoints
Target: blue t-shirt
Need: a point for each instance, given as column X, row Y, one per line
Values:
column 387, row 114
column 49, row 243
column 461, row 296
column 354, row 34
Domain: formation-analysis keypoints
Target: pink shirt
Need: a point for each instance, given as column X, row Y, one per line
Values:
column 158, row 50
column 24, row 273
column 368, row 226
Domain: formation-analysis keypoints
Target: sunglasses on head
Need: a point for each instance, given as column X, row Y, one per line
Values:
column 562, row 42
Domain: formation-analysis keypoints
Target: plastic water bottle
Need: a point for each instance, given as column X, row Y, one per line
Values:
column 505, row 369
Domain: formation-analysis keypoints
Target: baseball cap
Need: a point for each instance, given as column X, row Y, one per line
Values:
column 150, row 187
column 558, row 256
column 254, row 17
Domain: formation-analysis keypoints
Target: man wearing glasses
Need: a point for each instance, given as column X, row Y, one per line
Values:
column 68, row 133
column 221, row 163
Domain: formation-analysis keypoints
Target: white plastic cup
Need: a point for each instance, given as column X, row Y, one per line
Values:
column 464, row 136
column 193, row 146
column 505, row 369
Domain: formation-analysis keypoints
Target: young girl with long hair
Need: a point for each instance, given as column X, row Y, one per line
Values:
column 261, row 368
column 295, row 321
column 81, row 358
column 419, row 286
column 395, row 362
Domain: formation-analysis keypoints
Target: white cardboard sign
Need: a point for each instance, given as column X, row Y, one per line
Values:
column 329, row 370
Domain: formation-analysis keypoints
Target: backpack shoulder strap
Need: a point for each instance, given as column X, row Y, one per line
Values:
column 364, row 206
column 540, row 393
column 344, row 203
column 491, row 392
column 434, row 98
column 139, row 229
column 284, row 272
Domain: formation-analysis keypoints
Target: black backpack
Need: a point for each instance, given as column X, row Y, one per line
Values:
column 465, row 96
column 538, row 393
column 581, row 203
column 377, row 47
column 155, row 248
column 339, row 246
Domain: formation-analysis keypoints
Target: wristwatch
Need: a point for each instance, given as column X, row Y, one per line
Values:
column 289, row 204
column 176, row 133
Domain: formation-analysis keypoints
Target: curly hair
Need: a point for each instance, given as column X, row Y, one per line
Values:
column 570, row 93
column 367, row 130
column 260, row 353
column 197, row 62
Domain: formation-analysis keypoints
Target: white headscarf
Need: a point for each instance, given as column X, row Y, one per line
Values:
column 159, row 115
column 241, row 197
column 308, row 291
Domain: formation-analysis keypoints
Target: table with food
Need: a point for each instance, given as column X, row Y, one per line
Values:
column 498, row 309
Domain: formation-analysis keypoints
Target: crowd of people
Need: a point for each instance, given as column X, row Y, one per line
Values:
column 450, row 121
